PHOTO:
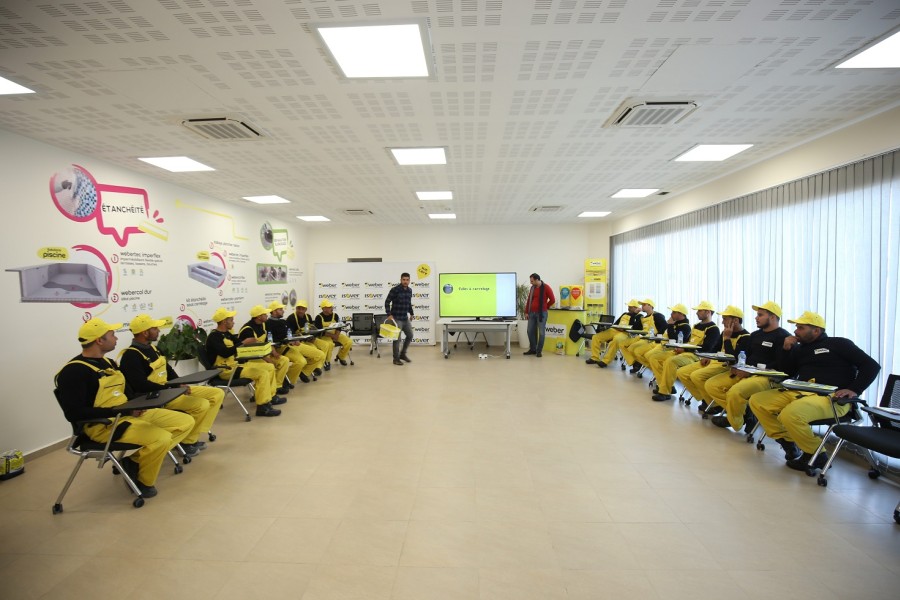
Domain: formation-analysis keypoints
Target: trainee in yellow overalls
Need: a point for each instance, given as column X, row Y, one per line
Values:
column 201, row 402
column 157, row 430
column 259, row 371
column 281, row 364
column 343, row 339
column 695, row 375
column 606, row 336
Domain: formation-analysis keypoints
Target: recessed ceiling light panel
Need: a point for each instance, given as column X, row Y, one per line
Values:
column 267, row 199
column 386, row 50
column 634, row 192
column 314, row 218
column 883, row 55
column 11, row 87
column 419, row 156
column 177, row 164
column 434, row 195
column 588, row 214
column 442, row 216
column 712, row 152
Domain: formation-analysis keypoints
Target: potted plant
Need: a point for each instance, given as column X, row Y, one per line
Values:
column 522, row 323
column 181, row 344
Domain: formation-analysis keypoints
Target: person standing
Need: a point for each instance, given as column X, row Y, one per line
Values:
column 398, row 306
column 540, row 299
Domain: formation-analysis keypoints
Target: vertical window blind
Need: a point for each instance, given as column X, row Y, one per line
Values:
column 829, row 243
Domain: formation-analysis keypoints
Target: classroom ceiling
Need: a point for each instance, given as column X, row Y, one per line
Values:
column 521, row 96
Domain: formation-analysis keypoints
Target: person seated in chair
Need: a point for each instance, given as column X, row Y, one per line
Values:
column 306, row 355
column 815, row 357
column 705, row 333
column 651, row 321
column 221, row 346
column 146, row 370
column 90, row 386
column 327, row 318
column 300, row 322
column 677, row 323
column 630, row 318
column 255, row 331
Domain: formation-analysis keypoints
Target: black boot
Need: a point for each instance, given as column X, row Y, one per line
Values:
column 791, row 451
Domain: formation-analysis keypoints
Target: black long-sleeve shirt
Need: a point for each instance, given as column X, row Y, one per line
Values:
column 135, row 365
column 683, row 327
column 707, row 336
column 278, row 328
column 398, row 303
column 77, row 387
column 252, row 329
column 737, row 343
column 767, row 348
column 215, row 344
column 634, row 321
column 832, row 361
column 659, row 323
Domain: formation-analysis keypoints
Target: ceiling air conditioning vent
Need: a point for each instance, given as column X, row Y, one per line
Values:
column 545, row 209
column 358, row 212
column 650, row 114
column 222, row 128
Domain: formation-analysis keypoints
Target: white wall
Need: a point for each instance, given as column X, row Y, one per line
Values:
column 870, row 137
column 40, row 337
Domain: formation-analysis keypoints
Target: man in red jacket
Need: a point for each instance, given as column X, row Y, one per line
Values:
column 540, row 299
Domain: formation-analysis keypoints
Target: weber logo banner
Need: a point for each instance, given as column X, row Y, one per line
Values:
column 556, row 330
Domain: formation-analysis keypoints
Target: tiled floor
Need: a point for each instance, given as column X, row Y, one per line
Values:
column 459, row 479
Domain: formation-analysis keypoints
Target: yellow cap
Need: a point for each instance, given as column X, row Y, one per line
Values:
column 681, row 308
column 325, row 304
column 733, row 311
column 301, row 304
column 275, row 305
column 649, row 301
column 257, row 310
column 705, row 305
column 809, row 318
column 634, row 303
column 95, row 329
column 142, row 323
column 769, row 306
column 222, row 313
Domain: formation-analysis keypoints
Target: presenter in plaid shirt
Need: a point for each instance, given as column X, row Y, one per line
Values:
column 398, row 306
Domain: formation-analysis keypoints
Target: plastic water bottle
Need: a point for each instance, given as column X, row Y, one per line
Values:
column 680, row 337
column 269, row 337
column 742, row 358
column 290, row 334
column 652, row 331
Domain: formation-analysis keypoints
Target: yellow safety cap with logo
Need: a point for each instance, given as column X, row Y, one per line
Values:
column 705, row 305
column 275, row 305
column 142, row 323
column 633, row 302
column 733, row 311
column 301, row 304
column 95, row 329
column 326, row 304
column 222, row 313
column 809, row 318
column 649, row 301
column 679, row 308
column 769, row 306
column 257, row 310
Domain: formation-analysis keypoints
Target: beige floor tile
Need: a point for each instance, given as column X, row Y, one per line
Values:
column 366, row 542
column 415, row 583
column 321, row 501
column 440, row 544
column 182, row 579
column 521, row 584
column 382, row 502
column 592, row 585
column 701, row 584
column 636, row 505
column 579, row 504
column 665, row 545
column 31, row 576
column 84, row 581
column 273, row 581
column 788, row 583
column 291, row 540
column 589, row 546
column 227, row 538
column 511, row 545
column 350, row 582
column 444, row 504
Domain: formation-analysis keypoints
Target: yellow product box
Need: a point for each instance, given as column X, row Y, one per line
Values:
column 12, row 463
column 254, row 351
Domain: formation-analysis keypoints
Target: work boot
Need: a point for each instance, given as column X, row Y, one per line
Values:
column 405, row 358
column 602, row 364
column 288, row 384
column 342, row 361
column 305, row 378
column 282, row 390
column 791, row 451
column 530, row 352
column 328, row 366
column 750, row 421
column 721, row 422
column 276, row 400
column 661, row 397
column 398, row 362
column 635, row 368
column 266, row 410
column 190, row 449
column 131, row 469
column 802, row 463
column 317, row 371
column 591, row 361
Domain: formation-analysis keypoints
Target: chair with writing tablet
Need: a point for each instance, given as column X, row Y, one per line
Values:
column 227, row 384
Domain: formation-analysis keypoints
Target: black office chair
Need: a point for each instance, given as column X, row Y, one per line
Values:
column 227, row 384
column 883, row 436
column 377, row 322
column 362, row 325
column 84, row 448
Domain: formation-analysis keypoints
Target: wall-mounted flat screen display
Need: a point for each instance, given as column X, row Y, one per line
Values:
column 477, row 295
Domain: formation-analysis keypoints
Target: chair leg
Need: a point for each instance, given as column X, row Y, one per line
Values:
column 57, row 508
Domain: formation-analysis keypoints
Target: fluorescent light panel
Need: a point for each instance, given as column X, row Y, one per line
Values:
column 378, row 51
column 312, row 218
column 587, row 214
column 634, row 192
column 712, row 152
column 177, row 164
column 419, row 156
column 267, row 199
column 442, row 216
column 435, row 195
column 883, row 55
column 11, row 87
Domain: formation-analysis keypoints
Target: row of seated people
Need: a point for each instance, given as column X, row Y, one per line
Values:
column 739, row 399
column 90, row 386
